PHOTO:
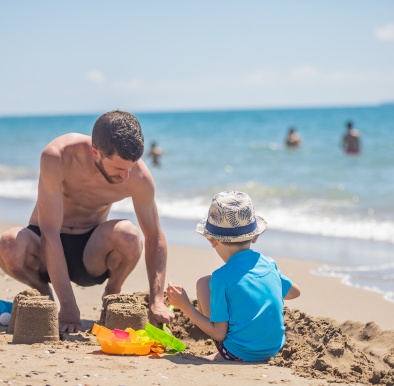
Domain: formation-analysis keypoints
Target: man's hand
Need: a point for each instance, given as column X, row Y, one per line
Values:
column 159, row 313
column 69, row 319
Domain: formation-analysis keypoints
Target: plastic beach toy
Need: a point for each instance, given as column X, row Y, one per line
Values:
column 5, row 312
column 5, row 318
column 5, row 306
column 122, row 342
column 164, row 338
column 165, row 327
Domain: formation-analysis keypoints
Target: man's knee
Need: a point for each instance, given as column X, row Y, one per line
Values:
column 126, row 237
column 10, row 260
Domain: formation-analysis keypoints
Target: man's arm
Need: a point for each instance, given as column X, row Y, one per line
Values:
column 50, row 218
column 155, row 253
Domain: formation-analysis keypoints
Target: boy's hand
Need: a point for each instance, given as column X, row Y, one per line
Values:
column 177, row 296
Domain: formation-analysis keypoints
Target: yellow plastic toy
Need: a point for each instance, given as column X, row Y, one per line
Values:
column 122, row 342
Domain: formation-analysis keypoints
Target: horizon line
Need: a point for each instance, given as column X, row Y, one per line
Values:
column 197, row 110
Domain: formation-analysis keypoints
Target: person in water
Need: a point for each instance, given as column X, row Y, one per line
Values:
column 351, row 140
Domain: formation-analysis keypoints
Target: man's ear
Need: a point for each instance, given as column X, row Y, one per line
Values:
column 95, row 152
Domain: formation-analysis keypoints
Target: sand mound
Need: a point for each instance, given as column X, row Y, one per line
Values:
column 182, row 327
column 316, row 348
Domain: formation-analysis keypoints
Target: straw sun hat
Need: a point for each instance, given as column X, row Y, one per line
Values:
column 231, row 218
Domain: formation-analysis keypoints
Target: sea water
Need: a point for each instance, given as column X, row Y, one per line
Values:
column 320, row 204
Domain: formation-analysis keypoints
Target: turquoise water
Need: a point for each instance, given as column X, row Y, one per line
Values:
column 314, row 190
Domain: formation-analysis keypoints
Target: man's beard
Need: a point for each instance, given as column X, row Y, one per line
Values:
column 108, row 178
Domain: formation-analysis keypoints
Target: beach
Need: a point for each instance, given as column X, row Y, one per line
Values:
column 330, row 229
column 361, row 322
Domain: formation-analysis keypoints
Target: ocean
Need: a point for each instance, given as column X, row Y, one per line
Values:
column 320, row 204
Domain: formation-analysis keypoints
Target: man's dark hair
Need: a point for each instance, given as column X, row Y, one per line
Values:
column 118, row 132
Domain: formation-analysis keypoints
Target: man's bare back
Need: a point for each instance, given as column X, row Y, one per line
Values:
column 68, row 232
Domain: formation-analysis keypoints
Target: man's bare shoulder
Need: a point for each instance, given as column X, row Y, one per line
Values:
column 68, row 145
column 141, row 182
column 68, row 142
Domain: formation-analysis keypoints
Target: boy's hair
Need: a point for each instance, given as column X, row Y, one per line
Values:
column 118, row 132
column 239, row 243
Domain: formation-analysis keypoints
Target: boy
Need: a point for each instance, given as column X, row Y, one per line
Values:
column 241, row 303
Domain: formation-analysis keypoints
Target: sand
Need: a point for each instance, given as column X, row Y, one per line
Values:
column 334, row 334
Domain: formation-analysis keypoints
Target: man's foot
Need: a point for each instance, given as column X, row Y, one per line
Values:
column 105, row 293
column 46, row 290
column 110, row 290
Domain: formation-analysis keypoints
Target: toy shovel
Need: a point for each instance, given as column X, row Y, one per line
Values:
column 165, row 328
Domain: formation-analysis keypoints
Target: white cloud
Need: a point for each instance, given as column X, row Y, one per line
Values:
column 95, row 76
column 305, row 73
column 129, row 85
column 304, row 83
column 385, row 33
column 262, row 77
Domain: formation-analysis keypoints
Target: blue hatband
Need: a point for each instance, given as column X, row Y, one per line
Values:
column 220, row 231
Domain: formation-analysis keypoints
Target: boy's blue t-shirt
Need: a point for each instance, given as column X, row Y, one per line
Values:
column 247, row 292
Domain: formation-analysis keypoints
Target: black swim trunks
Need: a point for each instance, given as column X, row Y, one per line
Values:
column 73, row 246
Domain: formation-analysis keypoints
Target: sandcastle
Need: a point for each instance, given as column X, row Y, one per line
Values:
column 28, row 293
column 34, row 318
column 36, row 321
column 122, row 311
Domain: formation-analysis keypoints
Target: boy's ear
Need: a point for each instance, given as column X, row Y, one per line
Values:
column 254, row 240
column 213, row 242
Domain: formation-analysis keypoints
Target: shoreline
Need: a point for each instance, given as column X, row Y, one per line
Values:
column 331, row 250
column 320, row 252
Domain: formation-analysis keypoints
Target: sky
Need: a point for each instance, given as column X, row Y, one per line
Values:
column 94, row 56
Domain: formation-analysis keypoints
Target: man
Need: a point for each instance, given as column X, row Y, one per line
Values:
column 293, row 139
column 351, row 140
column 69, row 237
column 155, row 153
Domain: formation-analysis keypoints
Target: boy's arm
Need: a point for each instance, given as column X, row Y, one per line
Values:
column 293, row 292
column 177, row 297
column 216, row 330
